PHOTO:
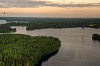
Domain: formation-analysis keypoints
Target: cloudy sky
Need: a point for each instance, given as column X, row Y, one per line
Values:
column 51, row 8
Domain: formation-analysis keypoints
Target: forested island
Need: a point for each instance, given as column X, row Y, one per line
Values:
column 6, row 28
column 96, row 37
column 25, row 50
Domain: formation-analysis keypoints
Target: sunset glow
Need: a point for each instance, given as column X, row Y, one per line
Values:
column 51, row 8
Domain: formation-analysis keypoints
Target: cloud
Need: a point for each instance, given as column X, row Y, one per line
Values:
column 41, row 3
column 21, row 3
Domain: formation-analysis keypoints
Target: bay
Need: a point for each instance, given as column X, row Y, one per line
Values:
column 77, row 49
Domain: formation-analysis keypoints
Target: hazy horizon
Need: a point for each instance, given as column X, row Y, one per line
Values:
column 50, row 8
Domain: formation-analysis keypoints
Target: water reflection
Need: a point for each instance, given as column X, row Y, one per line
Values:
column 45, row 58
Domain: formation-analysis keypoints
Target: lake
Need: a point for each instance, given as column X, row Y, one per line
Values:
column 77, row 49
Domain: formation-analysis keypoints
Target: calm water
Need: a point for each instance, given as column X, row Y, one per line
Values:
column 78, row 49
column 3, row 21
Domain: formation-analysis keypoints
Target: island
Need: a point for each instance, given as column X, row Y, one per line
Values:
column 96, row 37
column 25, row 50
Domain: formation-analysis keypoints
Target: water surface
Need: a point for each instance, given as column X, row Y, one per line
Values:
column 3, row 22
column 78, row 48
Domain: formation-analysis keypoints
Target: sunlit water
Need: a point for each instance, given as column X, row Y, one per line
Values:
column 78, row 48
column 3, row 21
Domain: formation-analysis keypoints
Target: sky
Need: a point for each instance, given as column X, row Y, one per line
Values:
column 50, row 8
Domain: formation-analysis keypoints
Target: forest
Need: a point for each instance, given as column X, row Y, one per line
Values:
column 33, row 23
column 43, row 25
column 6, row 28
column 41, row 19
column 46, row 25
column 25, row 50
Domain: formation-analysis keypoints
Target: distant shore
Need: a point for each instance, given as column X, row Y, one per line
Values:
column 45, row 23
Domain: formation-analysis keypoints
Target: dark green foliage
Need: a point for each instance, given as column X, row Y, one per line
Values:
column 17, row 24
column 37, row 19
column 43, row 25
column 24, row 50
column 6, row 28
column 33, row 23
column 96, row 37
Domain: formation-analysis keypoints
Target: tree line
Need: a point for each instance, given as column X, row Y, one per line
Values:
column 44, row 23
column 6, row 28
